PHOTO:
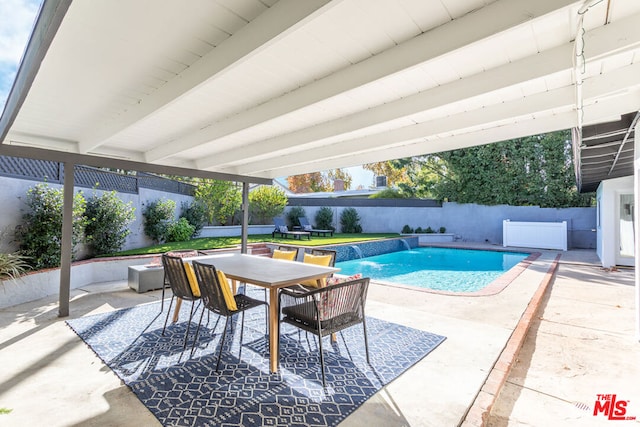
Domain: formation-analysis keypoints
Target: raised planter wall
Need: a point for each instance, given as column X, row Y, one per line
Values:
column 33, row 286
column 234, row 230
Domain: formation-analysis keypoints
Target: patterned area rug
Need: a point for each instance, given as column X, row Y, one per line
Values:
column 184, row 390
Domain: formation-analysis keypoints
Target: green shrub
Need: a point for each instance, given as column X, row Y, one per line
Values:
column 429, row 230
column 294, row 214
column 12, row 265
column 350, row 221
column 158, row 215
column 196, row 214
column 265, row 203
column 40, row 234
column 179, row 231
column 107, row 221
column 221, row 198
column 406, row 229
column 442, row 230
column 419, row 230
column 324, row 218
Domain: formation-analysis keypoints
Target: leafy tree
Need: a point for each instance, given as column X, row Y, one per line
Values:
column 335, row 174
column 350, row 221
column 108, row 218
column 318, row 182
column 535, row 170
column 158, row 215
column 308, row 183
column 394, row 170
column 389, row 193
column 40, row 234
column 324, row 218
column 222, row 199
column 265, row 203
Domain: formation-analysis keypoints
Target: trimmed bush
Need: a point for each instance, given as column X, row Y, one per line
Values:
column 158, row 215
column 196, row 214
column 324, row 218
column 179, row 231
column 294, row 214
column 108, row 218
column 406, row 229
column 40, row 234
column 350, row 221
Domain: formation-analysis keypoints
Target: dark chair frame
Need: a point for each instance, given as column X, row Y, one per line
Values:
column 278, row 222
column 325, row 311
column 304, row 223
column 213, row 300
column 176, row 275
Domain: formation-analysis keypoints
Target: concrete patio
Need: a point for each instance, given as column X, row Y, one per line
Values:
column 583, row 344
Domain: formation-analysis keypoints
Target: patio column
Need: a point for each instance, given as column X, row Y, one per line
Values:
column 245, row 217
column 636, row 221
column 66, row 245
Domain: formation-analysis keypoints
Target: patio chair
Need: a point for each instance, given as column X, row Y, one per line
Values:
column 281, row 228
column 181, row 286
column 323, row 257
column 179, row 253
column 306, row 226
column 217, row 298
column 325, row 311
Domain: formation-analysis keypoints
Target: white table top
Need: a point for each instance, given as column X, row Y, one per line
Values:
column 264, row 271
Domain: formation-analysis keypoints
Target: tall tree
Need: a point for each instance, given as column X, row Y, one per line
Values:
column 394, row 170
column 535, row 170
column 222, row 199
column 318, row 181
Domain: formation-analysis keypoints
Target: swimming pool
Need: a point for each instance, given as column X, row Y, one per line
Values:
column 442, row 269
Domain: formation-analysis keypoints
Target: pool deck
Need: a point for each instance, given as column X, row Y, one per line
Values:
column 49, row 373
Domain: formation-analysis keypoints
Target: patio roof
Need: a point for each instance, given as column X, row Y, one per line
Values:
column 265, row 88
column 606, row 151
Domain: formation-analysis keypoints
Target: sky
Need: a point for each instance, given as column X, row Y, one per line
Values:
column 16, row 22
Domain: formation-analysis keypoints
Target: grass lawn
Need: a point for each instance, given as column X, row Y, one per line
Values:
column 225, row 242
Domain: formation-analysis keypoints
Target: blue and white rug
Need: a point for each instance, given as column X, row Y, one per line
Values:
column 184, row 390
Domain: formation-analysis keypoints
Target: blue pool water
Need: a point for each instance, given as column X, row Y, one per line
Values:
column 444, row 269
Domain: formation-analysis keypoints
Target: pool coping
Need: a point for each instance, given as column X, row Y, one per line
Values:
column 493, row 288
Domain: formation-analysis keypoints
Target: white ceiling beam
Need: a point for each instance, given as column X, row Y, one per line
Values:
column 501, row 133
column 603, row 42
column 486, row 22
column 612, row 84
column 275, row 23
column 463, row 122
column 533, row 67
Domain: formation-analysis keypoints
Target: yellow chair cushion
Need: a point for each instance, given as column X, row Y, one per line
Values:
column 193, row 281
column 323, row 260
column 226, row 291
column 286, row 255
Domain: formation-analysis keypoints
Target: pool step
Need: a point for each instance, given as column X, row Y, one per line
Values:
column 260, row 249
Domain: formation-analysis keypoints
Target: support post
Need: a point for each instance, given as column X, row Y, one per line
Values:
column 66, row 244
column 245, row 217
column 636, row 220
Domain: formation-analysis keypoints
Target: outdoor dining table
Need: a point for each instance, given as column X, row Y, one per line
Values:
column 269, row 273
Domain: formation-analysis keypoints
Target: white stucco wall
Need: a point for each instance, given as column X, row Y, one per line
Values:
column 608, row 195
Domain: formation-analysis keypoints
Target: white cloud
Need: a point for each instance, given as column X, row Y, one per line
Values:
column 16, row 22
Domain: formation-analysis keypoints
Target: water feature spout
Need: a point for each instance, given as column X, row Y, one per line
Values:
column 358, row 251
column 405, row 244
